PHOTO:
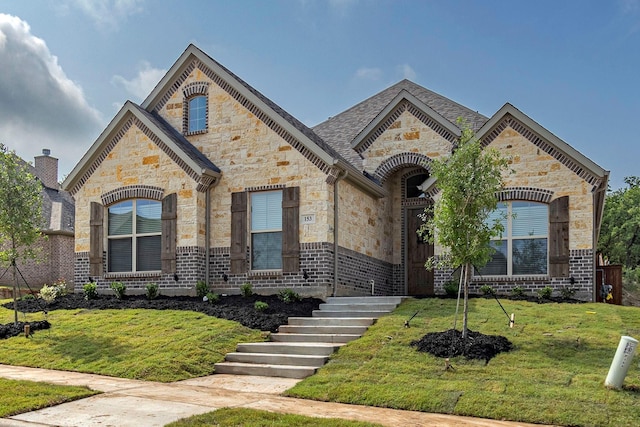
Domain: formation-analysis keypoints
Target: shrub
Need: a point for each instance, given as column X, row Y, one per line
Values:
column 288, row 296
column 487, row 290
column 201, row 288
column 260, row 305
column 90, row 290
column 151, row 290
column 48, row 293
column 212, row 297
column 451, row 288
column 61, row 287
column 119, row 289
column 517, row 291
column 28, row 296
column 246, row 289
column 567, row 292
column 545, row 293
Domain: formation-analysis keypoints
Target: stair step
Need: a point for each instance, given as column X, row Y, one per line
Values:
column 265, row 370
column 388, row 307
column 315, row 338
column 309, row 348
column 331, row 321
column 346, row 314
column 321, row 329
column 366, row 300
column 277, row 359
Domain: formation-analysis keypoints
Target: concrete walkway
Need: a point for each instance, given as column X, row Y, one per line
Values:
column 142, row 403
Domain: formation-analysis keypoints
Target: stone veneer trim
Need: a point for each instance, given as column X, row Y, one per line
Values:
column 400, row 161
column 525, row 193
column 191, row 90
column 132, row 192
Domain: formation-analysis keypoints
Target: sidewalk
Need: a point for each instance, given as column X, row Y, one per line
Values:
column 140, row 403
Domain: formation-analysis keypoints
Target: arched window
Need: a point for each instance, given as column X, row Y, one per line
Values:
column 197, row 114
column 134, row 236
column 522, row 249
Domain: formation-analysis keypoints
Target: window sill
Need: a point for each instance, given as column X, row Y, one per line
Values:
column 134, row 275
column 511, row 279
column 265, row 273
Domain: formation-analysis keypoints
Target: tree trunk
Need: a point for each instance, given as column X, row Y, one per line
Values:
column 15, row 294
column 465, row 310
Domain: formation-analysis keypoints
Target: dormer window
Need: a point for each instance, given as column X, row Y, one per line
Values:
column 195, row 108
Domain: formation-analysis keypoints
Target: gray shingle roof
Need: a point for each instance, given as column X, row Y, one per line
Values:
column 340, row 130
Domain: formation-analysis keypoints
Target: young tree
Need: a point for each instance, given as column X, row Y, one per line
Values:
column 469, row 181
column 20, row 213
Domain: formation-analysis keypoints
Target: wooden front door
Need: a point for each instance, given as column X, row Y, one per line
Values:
column 419, row 279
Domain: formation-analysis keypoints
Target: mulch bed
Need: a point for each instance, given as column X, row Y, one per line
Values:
column 12, row 329
column 450, row 344
column 232, row 307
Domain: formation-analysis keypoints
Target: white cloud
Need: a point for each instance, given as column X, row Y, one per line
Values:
column 107, row 14
column 141, row 85
column 406, row 71
column 365, row 73
column 40, row 107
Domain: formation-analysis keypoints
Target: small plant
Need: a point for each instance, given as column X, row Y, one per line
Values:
column 202, row 289
column 567, row 292
column 261, row 305
column 545, row 293
column 61, row 287
column 487, row 290
column 212, row 297
column 119, row 289
column 48, row 293
column 151, row 291
column 451, row 288
column 288, row 296
column 90, row 291
column 246, row 289
column 517, row 291
column 28, row 296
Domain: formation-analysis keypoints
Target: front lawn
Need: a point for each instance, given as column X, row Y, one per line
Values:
column 555, row 374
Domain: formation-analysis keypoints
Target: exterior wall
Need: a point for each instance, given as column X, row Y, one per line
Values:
column 54, row 263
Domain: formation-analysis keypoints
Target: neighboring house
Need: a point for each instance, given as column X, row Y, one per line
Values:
column 56, row 249
column 209, row 180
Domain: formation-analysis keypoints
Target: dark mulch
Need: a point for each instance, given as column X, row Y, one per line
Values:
column 12, row 329
column 232, row 307
column 449, row 344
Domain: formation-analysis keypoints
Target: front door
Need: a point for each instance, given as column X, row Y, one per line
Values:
column 419, row 279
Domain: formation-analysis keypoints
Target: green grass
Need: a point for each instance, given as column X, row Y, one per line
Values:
column 232, row 417
column 555, row 375
column 23, row 396
column 152, row 345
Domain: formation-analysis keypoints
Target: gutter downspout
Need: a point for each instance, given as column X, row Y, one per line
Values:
column 335, row 230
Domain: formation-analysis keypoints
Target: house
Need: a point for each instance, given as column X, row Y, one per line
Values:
column 210, row 180
column 56, row 248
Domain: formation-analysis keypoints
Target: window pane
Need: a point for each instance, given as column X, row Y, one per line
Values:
column 120, row 255
column 148, row 213
column 197, row 113
column 266, row 251
column 499, row 214
column 529, row 219
column 266, row 211
column 497, row 266
column 120, row 218
column 530, row 256
column 148, row 253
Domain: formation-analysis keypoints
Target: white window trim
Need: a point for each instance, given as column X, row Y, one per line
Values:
column 252, row 232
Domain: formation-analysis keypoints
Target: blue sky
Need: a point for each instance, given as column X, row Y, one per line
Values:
column 67, row 66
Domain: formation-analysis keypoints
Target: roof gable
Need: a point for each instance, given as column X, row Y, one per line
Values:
column 510, row 116
column 181, row 151
column 402, row 102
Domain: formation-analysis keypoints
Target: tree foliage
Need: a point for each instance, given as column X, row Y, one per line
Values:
column 20, row 209
column 469, row 181
column 619, row 240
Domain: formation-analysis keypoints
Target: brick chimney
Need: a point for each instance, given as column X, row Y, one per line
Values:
column 47, row 169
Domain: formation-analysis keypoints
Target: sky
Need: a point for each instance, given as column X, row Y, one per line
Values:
column 573, row 66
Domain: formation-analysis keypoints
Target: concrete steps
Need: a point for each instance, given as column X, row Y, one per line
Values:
column 306, row 343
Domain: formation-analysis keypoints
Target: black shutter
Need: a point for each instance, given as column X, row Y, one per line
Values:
column 169, row 233
column 559, row 237
column 290, row 229
column 96, row 239
column 238, row 233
